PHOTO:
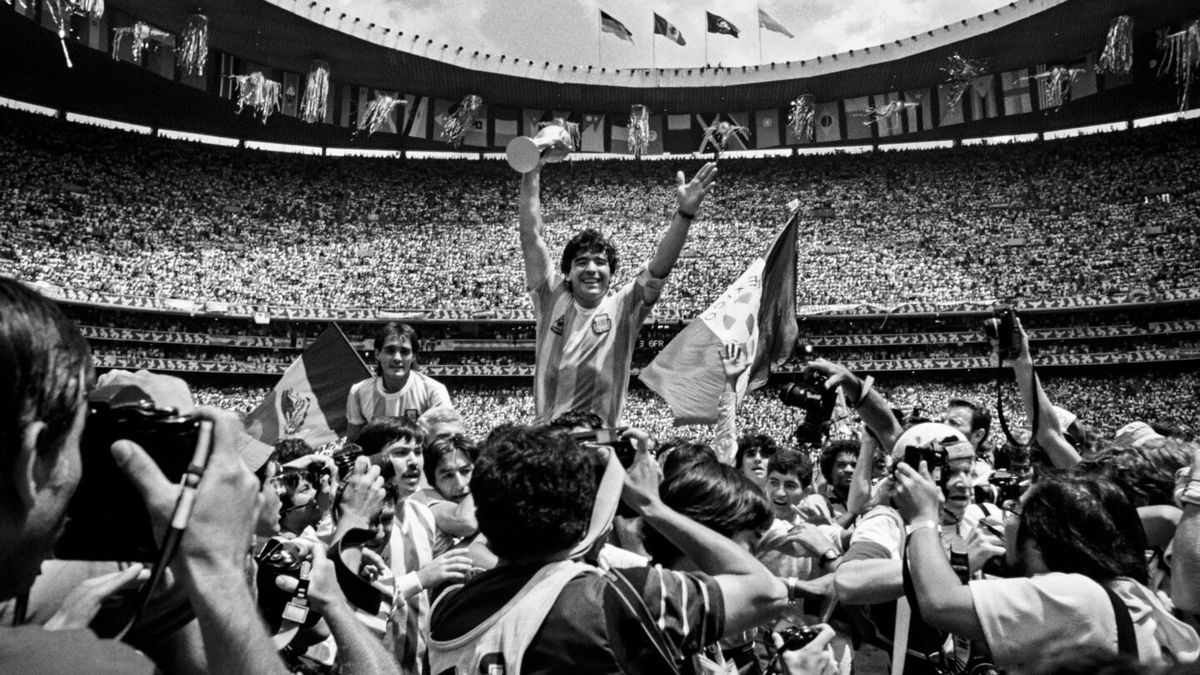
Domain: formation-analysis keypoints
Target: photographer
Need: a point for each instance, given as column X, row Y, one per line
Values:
column 1049, row 433
column 45, row 373
column 1078, row 542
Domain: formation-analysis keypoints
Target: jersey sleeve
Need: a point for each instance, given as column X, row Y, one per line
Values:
column 687, row 606
column 439, row 395
column 649, row 287
column 877, row 535
column 354, row 413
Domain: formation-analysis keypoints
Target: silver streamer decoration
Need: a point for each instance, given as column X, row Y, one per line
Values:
column 316, row 92
column 378, row 112
column 193, row 52
column 138, row 35
column 1056, row 84
column 960, row 72
column 456, row 124
column 259, row 93
column 639, row 130
column 718, row 134
column 1117, row 56
column 61, row 11
column 801, row 116
column 1181, row 57
column 875, row 115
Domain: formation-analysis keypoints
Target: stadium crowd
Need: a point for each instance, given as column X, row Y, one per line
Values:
column 1050, row 219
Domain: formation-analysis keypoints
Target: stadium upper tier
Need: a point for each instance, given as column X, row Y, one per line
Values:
column 113, row 212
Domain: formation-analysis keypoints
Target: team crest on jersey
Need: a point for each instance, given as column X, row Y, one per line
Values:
column 557, row 326
column 601, row 324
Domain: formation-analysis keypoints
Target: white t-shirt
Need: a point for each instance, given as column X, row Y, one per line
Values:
column 1026, row 617
column 368, row 401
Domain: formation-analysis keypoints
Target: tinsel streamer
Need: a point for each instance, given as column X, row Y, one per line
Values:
column 193, row 52
column 639, row 130
column 1056, row 84
column 456, row 124
column 378, row 112
column 718, row 134
column 139, row 34
column 1181, row 56
column 61, row 11
column 316, row 92
column 1117, row 56
column 960, row 72
column 801, row 116
column 259, row 93
column 875, row 115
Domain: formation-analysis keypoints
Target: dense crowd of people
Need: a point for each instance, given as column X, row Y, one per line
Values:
column 81, row 210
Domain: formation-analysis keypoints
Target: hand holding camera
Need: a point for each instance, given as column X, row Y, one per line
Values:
column 917, row 496
column 803, row 650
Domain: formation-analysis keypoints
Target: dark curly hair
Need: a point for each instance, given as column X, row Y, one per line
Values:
column 1084, row 524
column 715, row 495
column 588, row 241
column 534, row 489
column 399, row 330
column 830, row 452
column 382, row 432
column 1146, row 473
column 446, row 444
column 793, row 462
column 760, row 442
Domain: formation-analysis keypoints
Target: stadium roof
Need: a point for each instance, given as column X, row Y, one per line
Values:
column 289, row 34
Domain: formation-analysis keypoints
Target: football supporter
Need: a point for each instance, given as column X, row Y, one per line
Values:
column 585, row 334
column 397, row 389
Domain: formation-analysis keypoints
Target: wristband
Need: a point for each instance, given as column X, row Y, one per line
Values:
column 685, row 215
column 921, row 525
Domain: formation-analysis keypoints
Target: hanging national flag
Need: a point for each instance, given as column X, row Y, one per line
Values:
column 758, row 311
column 309, row 401
column 611, row 25
column 718, row 24
column 668, row 30
column 767, row 21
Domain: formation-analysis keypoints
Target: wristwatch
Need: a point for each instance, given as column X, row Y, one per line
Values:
column 920, row 525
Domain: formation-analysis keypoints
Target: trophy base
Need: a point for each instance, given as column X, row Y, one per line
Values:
column 522, row 154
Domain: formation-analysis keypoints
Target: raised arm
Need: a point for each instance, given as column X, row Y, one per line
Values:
column 751, row 593
column 735, row 361
column 1186, row 559
column 533, row 244
column 871, row 406
column 690, row 195
column 1049, row 432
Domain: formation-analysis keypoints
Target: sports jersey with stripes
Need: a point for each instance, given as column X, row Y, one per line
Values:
column 368, row 401
column 583, row 355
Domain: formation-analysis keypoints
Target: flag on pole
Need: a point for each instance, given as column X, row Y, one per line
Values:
column 758, row 311
column 767, row 21
column 718, row 24
column 611, row 25
column 309, row 401
column 668, row 30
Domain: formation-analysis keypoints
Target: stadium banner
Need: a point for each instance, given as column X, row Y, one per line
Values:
column 291, row 93
column 766, row 128
column 619, row 139
column 679, row 138
column 407, row 111
column 1038, row 87
column 950, row 115
column 758, row 312
column 476, row 135
column 591, row 133
column 889, row 125
column 858, row 125
column 655, row 146
column 309, row 401
column 530, row 119
column 1016, row 92
column 921, row 117
column 506, row 125
column 1085, row 82
column 827, row 119
column 228, row 88
column 983, row 98
column 737, row 140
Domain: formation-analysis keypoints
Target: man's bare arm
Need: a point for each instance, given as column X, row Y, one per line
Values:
column 533, row 244
column 689, row 196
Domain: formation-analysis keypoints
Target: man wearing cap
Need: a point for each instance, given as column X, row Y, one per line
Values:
column 544, row 502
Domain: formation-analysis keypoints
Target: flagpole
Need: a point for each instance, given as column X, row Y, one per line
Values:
column 758, row 7
column 706, row 47
column 653, row 60
column 599, row 42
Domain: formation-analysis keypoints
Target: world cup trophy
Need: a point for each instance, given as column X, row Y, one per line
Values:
column 553, row 142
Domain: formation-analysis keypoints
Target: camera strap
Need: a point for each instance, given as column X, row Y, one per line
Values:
column 1126, row 637
column 1037, row 408
column 632, row 600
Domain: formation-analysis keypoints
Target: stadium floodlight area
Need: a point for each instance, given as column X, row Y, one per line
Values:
column 442, row 154
column 843, row 150
column 108, row 124
column 198, row 138
column 1164, row 119
column 362, row 152
column 753, row 154
column 1086, row 131
column 1000, row 140
column 285, row 147
column 922, row 145
column 27, row 107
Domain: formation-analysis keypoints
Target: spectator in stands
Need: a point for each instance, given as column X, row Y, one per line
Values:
column 536, row 489
column 46, row 374
column 397, row 388
column 585, row 336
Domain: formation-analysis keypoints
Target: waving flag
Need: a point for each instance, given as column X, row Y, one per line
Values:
column 668, row 30
column 758, row 311
column 309, row 401
column 611, row 25
column 718, row 24
column 767, row 21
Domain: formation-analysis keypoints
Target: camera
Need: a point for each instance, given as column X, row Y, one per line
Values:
column 612, row 438
column 935, row 457
column 106, row 518
column 344, row 459
column 1008, row 486
column 796, row 637
column 1001, row 327
column 816, row 400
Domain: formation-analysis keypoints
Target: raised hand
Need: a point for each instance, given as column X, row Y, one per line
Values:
column 691, row 193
